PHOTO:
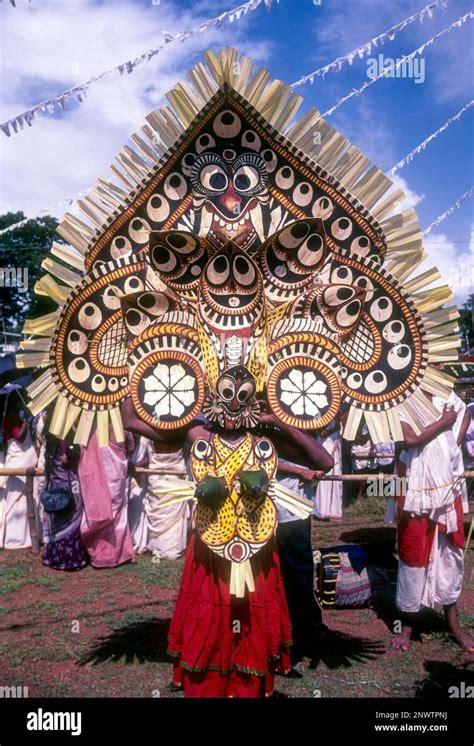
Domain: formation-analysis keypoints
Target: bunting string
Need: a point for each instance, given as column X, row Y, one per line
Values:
column 67, row 202
column 387, row 72
column 77, row 92
column 368, row 47
column 459, row 202
column 419, row 148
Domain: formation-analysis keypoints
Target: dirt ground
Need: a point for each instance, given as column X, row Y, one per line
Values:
column 102, row 633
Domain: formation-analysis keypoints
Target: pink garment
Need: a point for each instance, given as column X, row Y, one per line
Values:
column 104, row 527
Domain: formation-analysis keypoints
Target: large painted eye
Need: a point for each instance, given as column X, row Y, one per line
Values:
column 77, row 342
column 90, row 316
column 202, row 449
column 204, row 142
column 163, row 259
column 381, row 309
column 246, row 178
column 155, row 304
column 119, row 247
column 181, row 242
column 244, row 272
column 264, row 449
column 157, row 208
column 311, row 252
column 322, row 208
column 270, row 160
column 342, row 275
column 132, row 285
column 213, row 178
column 218, row 270
column 245, row 392
column 399, row 356
column 335, row 295
column 342, row 228
column 376, row 382
column 348, row 314
column 79, row 370
column 394, row 331
column 139, row 230
column 226, row 388
column 136, row 321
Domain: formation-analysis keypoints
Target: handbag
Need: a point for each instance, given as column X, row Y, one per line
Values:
column 56, row 499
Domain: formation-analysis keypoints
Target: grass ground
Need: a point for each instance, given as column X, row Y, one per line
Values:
column 102, row 633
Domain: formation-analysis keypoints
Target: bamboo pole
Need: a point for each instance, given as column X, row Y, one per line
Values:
column 8, row 471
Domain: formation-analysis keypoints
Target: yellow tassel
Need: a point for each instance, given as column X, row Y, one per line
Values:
column 59, row 415
column 117, row 424
column 84, row 427
column 103, row 427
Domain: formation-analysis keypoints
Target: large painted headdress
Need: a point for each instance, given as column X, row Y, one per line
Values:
column 239, row 253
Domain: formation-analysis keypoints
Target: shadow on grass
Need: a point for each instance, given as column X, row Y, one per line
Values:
column 341, row 650
column 376, row 535
column 441, row 677
column 139, row 642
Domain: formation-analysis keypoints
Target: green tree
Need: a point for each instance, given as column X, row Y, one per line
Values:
column 24, row 248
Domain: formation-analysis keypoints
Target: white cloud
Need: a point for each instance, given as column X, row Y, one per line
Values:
column 455, row 265
column 56, row 45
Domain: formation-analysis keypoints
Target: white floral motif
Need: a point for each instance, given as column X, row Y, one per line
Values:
column 303, row 393
column 169, row 389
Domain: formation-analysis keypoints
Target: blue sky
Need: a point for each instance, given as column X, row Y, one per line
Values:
column 50, row 45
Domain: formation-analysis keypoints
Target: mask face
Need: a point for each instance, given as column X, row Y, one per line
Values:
column 230, row 187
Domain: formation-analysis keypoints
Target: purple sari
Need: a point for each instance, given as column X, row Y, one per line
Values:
column 63, row 548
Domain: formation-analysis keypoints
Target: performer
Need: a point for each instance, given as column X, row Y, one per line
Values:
column 430, row 521
column 226, row 646
column 234, row 260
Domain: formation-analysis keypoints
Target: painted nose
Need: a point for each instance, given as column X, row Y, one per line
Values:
column 230, row 200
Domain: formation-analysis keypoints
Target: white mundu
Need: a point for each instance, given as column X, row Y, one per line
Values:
column 329, row 493
column 14, row 528
column 168, row 525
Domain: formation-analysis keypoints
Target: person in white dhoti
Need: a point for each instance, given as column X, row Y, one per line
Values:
column 328, row 502
column 168, row 525
column 21, row 453
column 137, row 492
column 430, row 519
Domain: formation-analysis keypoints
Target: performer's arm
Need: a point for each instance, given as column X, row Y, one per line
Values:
column 466, row 421
column 134, row 424
column 296, row 446
column 287, row 469
column 447, row 420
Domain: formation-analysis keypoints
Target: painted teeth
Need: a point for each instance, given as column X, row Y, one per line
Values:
column 222, row 223
column 242, row 222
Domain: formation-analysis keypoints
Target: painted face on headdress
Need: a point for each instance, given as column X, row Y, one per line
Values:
column 230, row 186
column 231, row 312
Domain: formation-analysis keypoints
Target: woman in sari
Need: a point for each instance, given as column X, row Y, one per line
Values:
column 63, row 548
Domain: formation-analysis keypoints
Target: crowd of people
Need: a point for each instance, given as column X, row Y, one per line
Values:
column 102, row 505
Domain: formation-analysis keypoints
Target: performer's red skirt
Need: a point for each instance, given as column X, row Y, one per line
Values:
column 224, row 646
